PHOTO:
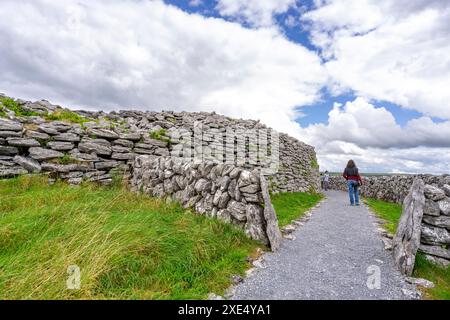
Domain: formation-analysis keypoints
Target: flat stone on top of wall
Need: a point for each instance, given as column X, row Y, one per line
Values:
column 39, row 153
column 8, row 125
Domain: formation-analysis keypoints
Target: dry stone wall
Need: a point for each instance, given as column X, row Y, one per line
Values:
column 435, row 230
column 227, row 192
column 45, row 141
column 393, row 188
column 164, row 154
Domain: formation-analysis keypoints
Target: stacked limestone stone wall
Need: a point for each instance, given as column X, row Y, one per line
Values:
column 298, row 169
column 229, row 193
column 424, row 226
column 435, row 231
column 101, row 141
column 393, row 188
column 164, row 154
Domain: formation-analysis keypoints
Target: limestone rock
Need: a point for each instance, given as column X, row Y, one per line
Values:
column 440, row 221
column 252, row 188
column 121, row 149
column 8, row 125
column 29, row 164
column 438, row 261
column 203, row 185
column 106, row 165
column 123, row 143
column 82, row 157
column 132, row 136
column 237, row 210
column 98, row 146
column 254, row 225
column 444, row 206
column 103, row 133
column 23, row 142
column 431, row 208
column 60, row 145
column 435, row 235
column 407, row 239
column 435, row 250
column 10, row 134
column 434, row 193
column 224, row 215
column 61, row 168
column 272, row 230
column 54, row 128
column 155, row 143
column 67, row 137
column 36, row 135
column 8, row 151
column 8, row 172
column 446, row 189
column 420, row 282
column 412, row 294
column 39, row 153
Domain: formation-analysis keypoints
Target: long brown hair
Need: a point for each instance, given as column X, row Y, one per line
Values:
column 351, row 164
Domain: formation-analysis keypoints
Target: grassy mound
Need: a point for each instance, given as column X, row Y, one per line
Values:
column 127, row 246
column 391, row 213
column 292, row 205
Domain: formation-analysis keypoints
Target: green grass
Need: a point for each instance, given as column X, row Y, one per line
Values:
column 292, row 205
column 12, row 105
column 440, row 276
column 389, row 212
column 423, row 268
column 128, row 246
column 159, row 135
column 67, row 116
column 315, row 164
column 66, row 159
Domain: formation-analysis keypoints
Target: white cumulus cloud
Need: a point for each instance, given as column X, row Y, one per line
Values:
column 258, row 13
column 149, row 55
column 370, row 134
column 393, row 50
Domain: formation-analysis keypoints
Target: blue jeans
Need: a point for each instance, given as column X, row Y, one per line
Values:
column 353, row 192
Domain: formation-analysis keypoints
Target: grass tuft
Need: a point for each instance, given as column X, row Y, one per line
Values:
column 292, row 205
column 439, row 275
column 12, row 105
column 128, row 246
column 67, row 116
column 159, row 135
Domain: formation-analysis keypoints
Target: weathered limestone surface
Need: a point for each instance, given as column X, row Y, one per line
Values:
column 270, row 216
column 407, row 239
column 214, row 190
column 107, row 141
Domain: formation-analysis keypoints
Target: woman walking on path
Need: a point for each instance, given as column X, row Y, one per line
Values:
column 351, row 174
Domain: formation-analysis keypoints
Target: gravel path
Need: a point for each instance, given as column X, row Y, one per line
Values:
column 328, row 259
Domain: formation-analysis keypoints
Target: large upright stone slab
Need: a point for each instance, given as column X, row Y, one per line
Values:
column 272, row 230
column 407, row 239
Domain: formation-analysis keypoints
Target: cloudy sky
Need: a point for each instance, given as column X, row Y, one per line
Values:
column 361, row 79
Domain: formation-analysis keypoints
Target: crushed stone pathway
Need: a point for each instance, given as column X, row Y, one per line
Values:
column 329, row 259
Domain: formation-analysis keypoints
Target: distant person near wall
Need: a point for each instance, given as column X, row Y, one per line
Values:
column 321, row 180
column 326, row 180
column 354, row 181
